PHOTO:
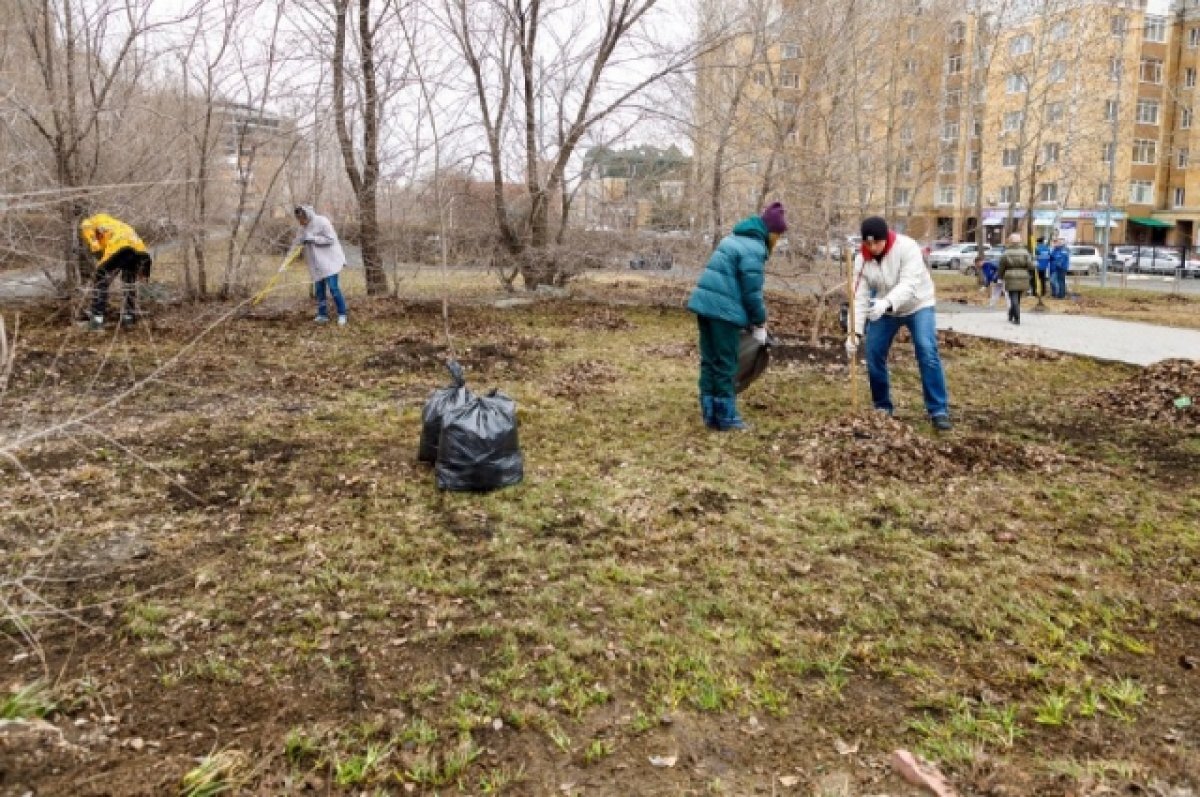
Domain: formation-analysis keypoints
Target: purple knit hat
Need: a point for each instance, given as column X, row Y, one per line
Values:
column 773, row 217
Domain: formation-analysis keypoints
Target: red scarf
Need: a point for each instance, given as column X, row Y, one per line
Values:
column 866, row 253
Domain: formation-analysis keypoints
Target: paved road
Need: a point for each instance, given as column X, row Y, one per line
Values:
column 1102, row 338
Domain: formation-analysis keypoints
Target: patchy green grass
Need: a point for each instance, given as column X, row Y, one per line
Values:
column 1020, row 606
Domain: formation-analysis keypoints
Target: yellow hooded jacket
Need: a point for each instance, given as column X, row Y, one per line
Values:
column 106, row 235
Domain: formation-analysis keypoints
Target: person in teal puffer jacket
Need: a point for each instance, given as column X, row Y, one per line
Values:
column 727, row 299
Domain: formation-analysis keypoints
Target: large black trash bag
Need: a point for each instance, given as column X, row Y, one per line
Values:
column 479, row 450
column 753, row 359
column 443, row 401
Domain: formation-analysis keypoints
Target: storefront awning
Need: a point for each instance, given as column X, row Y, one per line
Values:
column 1146, row 221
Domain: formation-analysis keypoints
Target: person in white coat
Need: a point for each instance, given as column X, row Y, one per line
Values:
column 325, row 258
column 893, row 289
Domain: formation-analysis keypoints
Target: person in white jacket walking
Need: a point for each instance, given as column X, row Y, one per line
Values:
column 325, row 258
column 892, row 289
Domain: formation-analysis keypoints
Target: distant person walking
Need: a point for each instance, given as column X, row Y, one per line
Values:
column 893, row 290
column 117, row 249
column 325, row 258
column 729, row 298
column 1060, row 264
column 1016, row 272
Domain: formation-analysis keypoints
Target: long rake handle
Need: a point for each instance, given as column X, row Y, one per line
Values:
column 270, row 286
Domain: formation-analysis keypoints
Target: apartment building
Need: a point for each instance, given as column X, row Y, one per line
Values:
column 1069, row 117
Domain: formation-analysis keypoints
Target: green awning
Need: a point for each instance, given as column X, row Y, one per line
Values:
column 1146, row 221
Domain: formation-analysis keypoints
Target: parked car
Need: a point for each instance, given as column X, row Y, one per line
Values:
column 1085, row 260
column 653, row 261
column 1156, row 261
column 1191, row 268
column 836, row 250
column 1119, row 257
column 953, row 257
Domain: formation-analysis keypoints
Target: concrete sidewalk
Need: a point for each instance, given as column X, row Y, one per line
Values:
column 1102, row 338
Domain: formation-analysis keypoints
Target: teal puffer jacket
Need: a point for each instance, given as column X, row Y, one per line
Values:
column 731, row 287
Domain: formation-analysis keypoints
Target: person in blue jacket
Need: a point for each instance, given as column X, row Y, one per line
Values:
column 1042, row 254
column 729, row 298
column 1060, row 263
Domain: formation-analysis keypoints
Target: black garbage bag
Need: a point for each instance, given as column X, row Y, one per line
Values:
column 753, row 359
column 443, row 401
column 479, row 450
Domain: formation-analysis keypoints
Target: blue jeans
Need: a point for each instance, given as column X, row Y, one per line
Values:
column 1059, row 284
column 338, row 299
column 922, row 325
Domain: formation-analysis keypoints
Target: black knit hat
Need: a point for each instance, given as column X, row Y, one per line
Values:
column 874, row 229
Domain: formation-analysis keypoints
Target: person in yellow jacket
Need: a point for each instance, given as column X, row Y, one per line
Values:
column 117, row 248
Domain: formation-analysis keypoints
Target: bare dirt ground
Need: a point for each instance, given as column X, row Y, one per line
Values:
column 224, row 569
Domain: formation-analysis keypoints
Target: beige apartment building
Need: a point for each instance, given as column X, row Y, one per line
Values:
column 1068, row 117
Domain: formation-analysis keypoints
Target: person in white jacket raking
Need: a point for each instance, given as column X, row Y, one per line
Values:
column 325, row 258
column 892, row 289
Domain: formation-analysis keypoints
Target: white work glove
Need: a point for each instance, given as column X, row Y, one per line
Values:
column 760, row 335
column 878, row 308
column 852, row 344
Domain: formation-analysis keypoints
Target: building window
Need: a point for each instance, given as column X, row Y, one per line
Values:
column 1021, row 45
column 1007, row 195
column 901, row 197
column 971, row 195
column 949, row 131
column 974, row 161
column 1060, row 30
column 910, row 66
column 1185, row 118
column 904, row 167
column 1106, row 153
column 1179, row 198
column 1151, row 70
column 1009, row 158
column 1055, row 112
column 906, row 133
column 1194, row 37
column 790, row 51
column 1156, row 29
column 1145, row 151
column 945, row 195
column 1182, row 157
column 1189, row 75
column 1110, row 110
column 1013, row 120
column 789, row 80
column 977, row 128
column 1050, row 153
column 1048, row 192
column 1058, row 72
column 908, row 99
column 788, row 110
column 1016, row 84
column 953, row 98
column 1119, row 25
column 1147, row 112
column 760, row 77
column 958, row 33
column 1141, row 192
column 1114, row 69
column 949, row 164
column 1103, row 194
column 954, row 64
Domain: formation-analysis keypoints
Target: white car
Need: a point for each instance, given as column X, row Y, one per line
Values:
column 1156, row 261
column 1120, row 257
column 954, row 257
column 1085, row 260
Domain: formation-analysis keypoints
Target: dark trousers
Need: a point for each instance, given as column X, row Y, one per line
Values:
column 1014, row 306
column 719, row 341
column 129, row 263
